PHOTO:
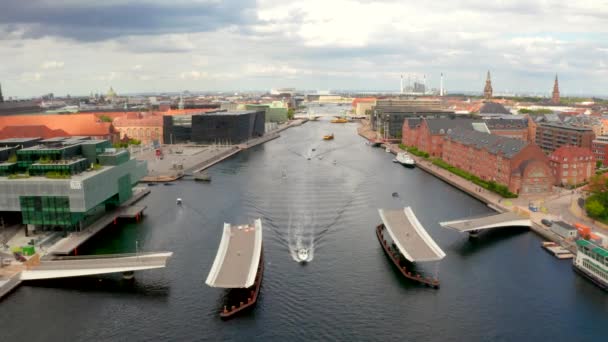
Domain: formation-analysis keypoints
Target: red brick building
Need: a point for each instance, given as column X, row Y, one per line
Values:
column 517, row 164
column 428, row 134
column 572, row 165
column 512, row 128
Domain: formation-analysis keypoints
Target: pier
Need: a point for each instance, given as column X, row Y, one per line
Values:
column 239, row 264
column 411, row 241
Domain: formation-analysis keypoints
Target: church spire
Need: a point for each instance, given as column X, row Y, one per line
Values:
column 555, row 97
column 487, row 90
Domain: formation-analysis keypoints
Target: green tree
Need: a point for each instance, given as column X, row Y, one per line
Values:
column 105, row 118
column 594, row 208
column 290, row 113
column 598, row 164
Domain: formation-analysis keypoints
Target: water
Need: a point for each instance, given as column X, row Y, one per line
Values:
column 501, row 287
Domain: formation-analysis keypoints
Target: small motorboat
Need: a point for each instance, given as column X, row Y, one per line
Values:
column 339, row 120
column 178, row 201
column 314, row 149
column 167, row 184
column 328, row 137
column 395, row 160
column 202, row 177
column 388, row 150
column 303, row 254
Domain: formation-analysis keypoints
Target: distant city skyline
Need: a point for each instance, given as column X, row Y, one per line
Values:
column 70, row 47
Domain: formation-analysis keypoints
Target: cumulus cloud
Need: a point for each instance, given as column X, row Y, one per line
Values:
column 52, row 65
column 339, row 44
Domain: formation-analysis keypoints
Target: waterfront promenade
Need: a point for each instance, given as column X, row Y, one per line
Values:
column 181, row 159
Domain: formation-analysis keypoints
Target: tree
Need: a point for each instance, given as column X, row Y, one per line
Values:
column 105, row 118
column 594, row 208
column 598, row 164
column 290, row 113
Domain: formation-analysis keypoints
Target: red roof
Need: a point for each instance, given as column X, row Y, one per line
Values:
column 570, row 152
column 145, row 121
column 363, row 99
column 33, row 131
column 71, row 124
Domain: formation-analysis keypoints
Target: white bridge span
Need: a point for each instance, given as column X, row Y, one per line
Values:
column 508, row 219
column 75, row 266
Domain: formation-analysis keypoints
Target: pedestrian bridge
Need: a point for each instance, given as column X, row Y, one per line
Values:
column 75, row 266
column 473, row 225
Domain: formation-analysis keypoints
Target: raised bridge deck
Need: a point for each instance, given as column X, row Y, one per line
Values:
column 507, row 219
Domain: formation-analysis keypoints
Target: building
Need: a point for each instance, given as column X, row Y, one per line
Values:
column 388, row 115
column 213, row 128
column 519, row 165
column 552, row 135
column 493, row 109
column 276, row 111
column 146, row 128
column 66, row 183
column 513, row 128
column 599, row 148
column 56, row 125
column 572, row 165
column 427, row 134
column 487, row 90
column 555, row 96
column 564, row 230
column 362, row 106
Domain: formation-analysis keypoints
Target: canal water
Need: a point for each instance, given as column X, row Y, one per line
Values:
column 500, row 287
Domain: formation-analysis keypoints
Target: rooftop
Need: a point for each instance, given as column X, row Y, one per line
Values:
column 238, row 256
column 494, row 144
column 441, row 126
column 17, row 140
column 571, row 152
column 235, row 113
column 565, row 126
column 493, row 108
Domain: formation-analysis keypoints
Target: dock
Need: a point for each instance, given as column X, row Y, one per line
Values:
column 557, row 250
column 239, row 264
column 411, row 241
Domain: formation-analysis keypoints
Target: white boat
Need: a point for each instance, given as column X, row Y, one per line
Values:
column 388, row 150
column 589, row 263
column 405, row 159
column 303, row 254
column 178, row 201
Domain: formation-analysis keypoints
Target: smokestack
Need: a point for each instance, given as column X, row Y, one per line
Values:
column 424, row 90
column 441, row 86
column 401, row 91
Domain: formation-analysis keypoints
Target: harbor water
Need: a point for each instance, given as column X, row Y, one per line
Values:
column 321, row 195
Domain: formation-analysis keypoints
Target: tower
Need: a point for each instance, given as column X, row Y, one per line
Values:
column 401, row 84
column 487, row 90
column 441, row 86
column 555, row 98
column 1, row 97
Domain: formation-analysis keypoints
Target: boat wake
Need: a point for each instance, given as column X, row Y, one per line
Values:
column 301, row 239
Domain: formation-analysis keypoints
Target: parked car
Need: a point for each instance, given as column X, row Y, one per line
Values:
column 546, row 222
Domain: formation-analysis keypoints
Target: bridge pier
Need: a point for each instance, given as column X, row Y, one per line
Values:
column 474, row 233
column 128, row 275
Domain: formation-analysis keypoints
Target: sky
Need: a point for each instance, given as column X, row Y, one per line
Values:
column 78, row 46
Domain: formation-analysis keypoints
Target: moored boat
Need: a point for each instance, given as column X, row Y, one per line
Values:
column 592, row 262
column 339, row 120
column 328, row 137
column 405, row 159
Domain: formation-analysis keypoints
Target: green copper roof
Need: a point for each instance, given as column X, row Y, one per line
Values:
column 601, row 251
column 583, row 243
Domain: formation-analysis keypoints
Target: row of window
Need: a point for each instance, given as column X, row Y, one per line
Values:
column 596, row 270
column 595, row 256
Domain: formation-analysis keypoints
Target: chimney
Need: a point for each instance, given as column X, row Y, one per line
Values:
column 441, row 86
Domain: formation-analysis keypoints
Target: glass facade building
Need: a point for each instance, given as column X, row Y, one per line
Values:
column 67, row 184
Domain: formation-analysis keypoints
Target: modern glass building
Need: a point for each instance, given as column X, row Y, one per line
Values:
column 66, row 183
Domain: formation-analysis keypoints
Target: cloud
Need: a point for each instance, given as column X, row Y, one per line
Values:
column 52, row 65
column 193, row 75
column 338, row 44
column 93, row 21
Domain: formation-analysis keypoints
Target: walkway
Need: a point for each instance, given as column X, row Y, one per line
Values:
column 62, row 267
column 507, row 219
